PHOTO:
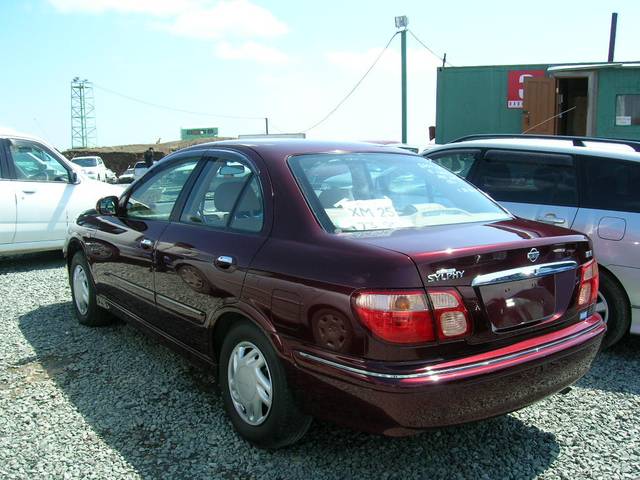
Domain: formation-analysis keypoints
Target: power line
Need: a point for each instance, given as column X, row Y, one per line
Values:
column 443, row 60
column 173, row 109
column 331, row 112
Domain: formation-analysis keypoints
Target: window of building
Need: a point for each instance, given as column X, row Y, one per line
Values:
column 627, row 110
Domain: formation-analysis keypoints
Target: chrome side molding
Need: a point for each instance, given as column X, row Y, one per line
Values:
column 523, row 273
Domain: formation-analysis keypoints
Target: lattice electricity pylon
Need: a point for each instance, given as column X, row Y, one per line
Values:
column 83, row 114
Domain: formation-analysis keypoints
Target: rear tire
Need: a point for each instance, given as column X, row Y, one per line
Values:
column 83, row 293
column 617, row 309
column 275, row 423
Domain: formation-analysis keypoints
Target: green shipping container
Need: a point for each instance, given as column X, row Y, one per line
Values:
column 596, row 99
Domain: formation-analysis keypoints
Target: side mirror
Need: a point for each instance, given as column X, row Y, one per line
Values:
column 107, row 206
column 73, row 178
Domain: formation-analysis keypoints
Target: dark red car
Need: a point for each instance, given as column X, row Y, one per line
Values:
column 350, row 282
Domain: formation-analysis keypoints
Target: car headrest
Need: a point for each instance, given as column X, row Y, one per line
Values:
column 226, row 194
column 329, row 198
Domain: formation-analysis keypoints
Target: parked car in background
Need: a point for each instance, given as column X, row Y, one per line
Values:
column 92, row 166
column 41, row 193
column 588, row 184
column 394, row 298
column 139, row 169
column 127, row 176
column 111, row 176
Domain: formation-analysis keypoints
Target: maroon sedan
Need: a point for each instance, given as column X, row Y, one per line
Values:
column 350, row 282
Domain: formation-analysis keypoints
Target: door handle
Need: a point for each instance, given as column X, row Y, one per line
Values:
column 146, row 244
column 552, row 219
column 28, row 192
column 225, row 261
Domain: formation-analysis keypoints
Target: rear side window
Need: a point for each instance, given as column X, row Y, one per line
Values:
column 528, row 178
column 458, row 162
column 227, row 194
column 611, row 184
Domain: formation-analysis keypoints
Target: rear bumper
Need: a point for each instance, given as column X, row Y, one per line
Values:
column 397, row 402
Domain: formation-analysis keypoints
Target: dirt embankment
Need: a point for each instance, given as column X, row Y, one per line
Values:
column 120, row 157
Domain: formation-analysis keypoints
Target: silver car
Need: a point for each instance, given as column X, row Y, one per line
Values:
column 588, row 184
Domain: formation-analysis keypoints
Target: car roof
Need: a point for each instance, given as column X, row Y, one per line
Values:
column 606, row 150
column 285, row 147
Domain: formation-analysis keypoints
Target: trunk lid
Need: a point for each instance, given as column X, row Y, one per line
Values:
column 514, row 276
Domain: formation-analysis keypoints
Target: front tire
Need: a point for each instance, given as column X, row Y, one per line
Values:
column 614, row 308
column 255, row 392
column 83, row 293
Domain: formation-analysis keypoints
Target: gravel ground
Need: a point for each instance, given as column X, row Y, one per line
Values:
column 105, row 403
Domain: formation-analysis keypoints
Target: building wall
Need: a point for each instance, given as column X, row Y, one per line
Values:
column 474, row 100
column 612, row 82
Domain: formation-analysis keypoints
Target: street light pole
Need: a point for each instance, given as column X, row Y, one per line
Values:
column 401, row 23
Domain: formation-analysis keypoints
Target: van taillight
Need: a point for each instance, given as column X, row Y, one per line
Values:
column 589, row 283
column 405, row 316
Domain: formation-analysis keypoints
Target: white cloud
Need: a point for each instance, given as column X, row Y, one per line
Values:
column 191, row 18
column 251, row 51
column 149, row 7
column 227, row 18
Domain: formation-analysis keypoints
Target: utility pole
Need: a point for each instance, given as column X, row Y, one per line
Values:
column 401, row 23
column 612, row 35
column 266, row 125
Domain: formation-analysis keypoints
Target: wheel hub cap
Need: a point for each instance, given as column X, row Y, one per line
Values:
column 249, row 381
column 81, row 289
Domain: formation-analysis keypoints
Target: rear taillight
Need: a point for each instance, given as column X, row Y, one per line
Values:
column 405, row 317
column 450, row 314
column 399, row 317
column 588, row 293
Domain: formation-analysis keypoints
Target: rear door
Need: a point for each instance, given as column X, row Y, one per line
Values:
column 203, row 256
column 534, row 185
column 539, row 106
column 7, row 198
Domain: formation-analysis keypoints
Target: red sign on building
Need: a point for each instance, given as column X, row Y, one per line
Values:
column 515, row 86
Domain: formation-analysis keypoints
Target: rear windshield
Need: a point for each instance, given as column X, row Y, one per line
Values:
column 85, row 162
column 378, row 191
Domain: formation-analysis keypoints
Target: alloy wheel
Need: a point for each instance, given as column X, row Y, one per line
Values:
column 602, row 307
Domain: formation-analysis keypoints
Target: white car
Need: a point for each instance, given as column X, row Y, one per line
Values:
column 139, row 169
column 41, row 193
column 92, row 166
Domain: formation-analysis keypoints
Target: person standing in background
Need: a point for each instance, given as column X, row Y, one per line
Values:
column 148, row 157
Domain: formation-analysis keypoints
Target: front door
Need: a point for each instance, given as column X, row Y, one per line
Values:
column 7, row 198
column 43, row 192
column 203, row 257
column 122, row 250
column 539, row 106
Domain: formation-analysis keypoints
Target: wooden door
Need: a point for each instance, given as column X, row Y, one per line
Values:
column 539, row 106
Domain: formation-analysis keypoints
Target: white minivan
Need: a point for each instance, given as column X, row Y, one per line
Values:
column 41, row 193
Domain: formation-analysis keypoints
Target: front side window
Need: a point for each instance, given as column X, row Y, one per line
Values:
column 227, row 195
column 85, row 162
column 155, row 198
column 33, row 163
column 459, row 162
column 627, row 110
column 376, row 191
